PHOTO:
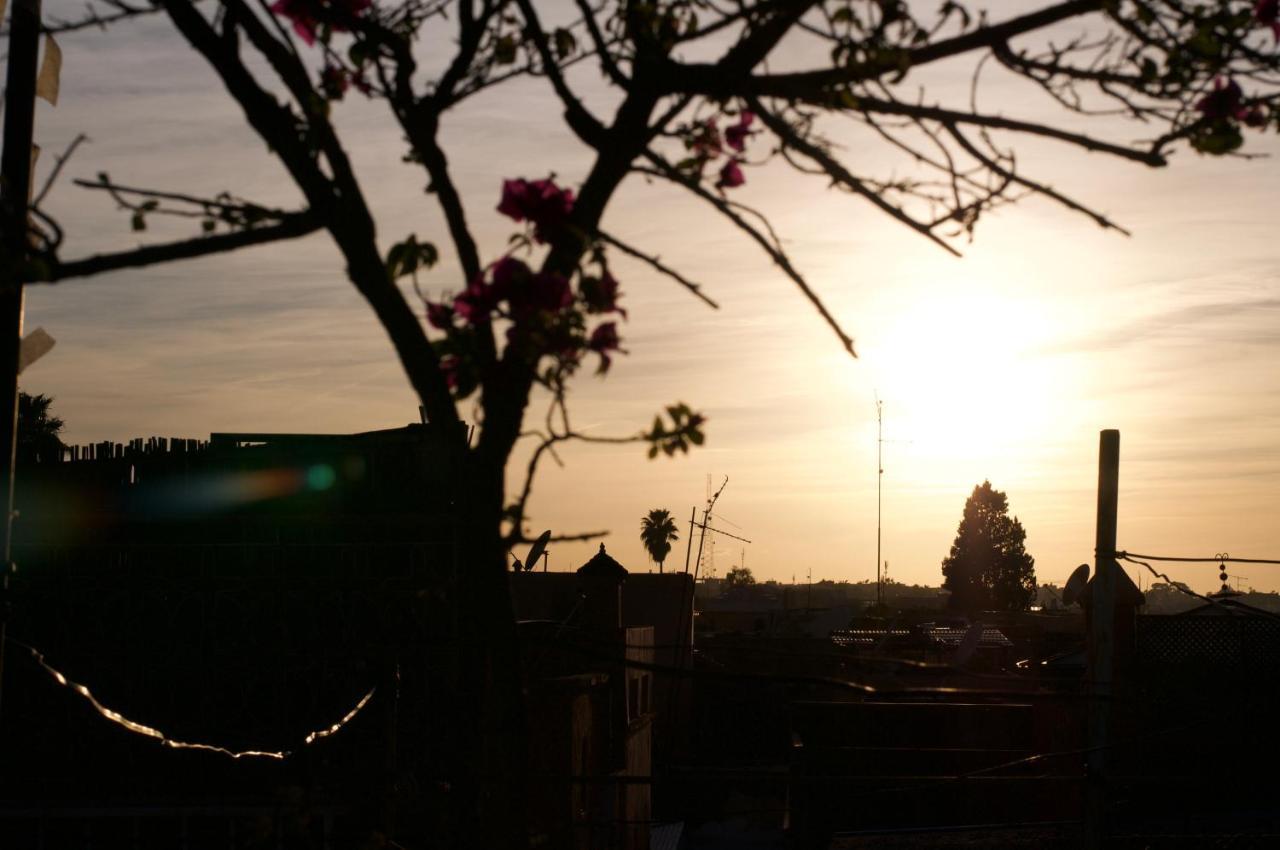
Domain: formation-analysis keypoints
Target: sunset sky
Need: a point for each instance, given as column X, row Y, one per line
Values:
column 1003, row 365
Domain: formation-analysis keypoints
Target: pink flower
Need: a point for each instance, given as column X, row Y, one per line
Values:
column 551, row 292
column 304, row 14
column 546, row 292
column 1223, row 102
column 541, row 202
column 476, row 304
column 440, row 315
column 1255, row 116
column 601, row 294
column 1267, row 13
column 603, row 340
column 730, row 176
column 506, row 275
column 736, row 136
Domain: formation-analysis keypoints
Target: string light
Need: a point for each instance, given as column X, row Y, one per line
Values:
column 151, row 732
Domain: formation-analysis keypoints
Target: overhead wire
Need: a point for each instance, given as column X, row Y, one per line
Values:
column 1122, row 555
column 1182, row 588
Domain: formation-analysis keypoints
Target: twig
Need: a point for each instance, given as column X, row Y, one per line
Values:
column 57, row 168
column 667, row 171
column 658, row 265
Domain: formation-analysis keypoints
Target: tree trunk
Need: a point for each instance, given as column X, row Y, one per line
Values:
column 490, row 755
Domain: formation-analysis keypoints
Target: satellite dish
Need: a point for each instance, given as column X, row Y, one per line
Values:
column 968, row 645
column 1075, row 585
column 537, row 549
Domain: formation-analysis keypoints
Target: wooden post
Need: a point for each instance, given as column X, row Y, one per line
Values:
column 15, row 196
column 1102, row 622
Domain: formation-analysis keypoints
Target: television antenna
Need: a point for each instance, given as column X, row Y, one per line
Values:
column 704, row 527
column 879, row 493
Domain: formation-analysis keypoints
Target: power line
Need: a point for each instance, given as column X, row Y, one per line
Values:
column 1179, row 586
column 1126, row 556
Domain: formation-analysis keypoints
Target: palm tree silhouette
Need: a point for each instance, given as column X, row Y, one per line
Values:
column 657, row 530
column 39, row 432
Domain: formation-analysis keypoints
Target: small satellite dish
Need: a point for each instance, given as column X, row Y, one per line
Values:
column 968, row 645
column 537, row 549
column 1075, row 585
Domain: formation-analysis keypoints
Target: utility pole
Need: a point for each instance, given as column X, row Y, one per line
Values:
column 15, row 198
column 1102, row 624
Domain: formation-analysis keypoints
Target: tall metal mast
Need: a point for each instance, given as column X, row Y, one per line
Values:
column 879, row 487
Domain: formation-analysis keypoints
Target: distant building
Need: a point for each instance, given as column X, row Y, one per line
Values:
column 593, row 641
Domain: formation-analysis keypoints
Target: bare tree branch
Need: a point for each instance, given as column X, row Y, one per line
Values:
column 664, row 169
column 292, row 227
column 659, row 266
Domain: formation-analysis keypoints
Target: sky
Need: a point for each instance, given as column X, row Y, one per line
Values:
column 1003, row 365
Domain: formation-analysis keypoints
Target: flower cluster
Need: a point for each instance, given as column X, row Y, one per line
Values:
column 707, row 143
column 546, row 206
column 546, row 316
column 1222, row 111
column 1227, row 101
column 306, row 15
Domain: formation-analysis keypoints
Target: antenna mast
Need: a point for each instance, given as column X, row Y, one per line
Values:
column 879, row 488
column 704, row 527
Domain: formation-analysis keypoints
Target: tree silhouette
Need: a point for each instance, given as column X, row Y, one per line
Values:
column 695, row 101
column 989, row 567
column 657, row 530
column 39, row 431
column 738, row 577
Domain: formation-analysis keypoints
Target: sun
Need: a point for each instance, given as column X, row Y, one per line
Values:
column 962, row 372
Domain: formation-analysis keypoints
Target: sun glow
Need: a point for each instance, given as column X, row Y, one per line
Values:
column 962, row 376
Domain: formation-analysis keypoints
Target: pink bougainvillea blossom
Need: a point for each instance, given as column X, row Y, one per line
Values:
column 475, row 305
column 545, row 292
column 541, row 202
column 601, row 294
column 736, row 136
column 731, row 175
column 440, row 316
column 550, row 291
column 1267, row 13
column 304, row 14
column 1225, row 101
column 506, row 275
column 604, row 339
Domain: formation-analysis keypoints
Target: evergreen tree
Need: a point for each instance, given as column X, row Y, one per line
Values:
column 989, row 567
